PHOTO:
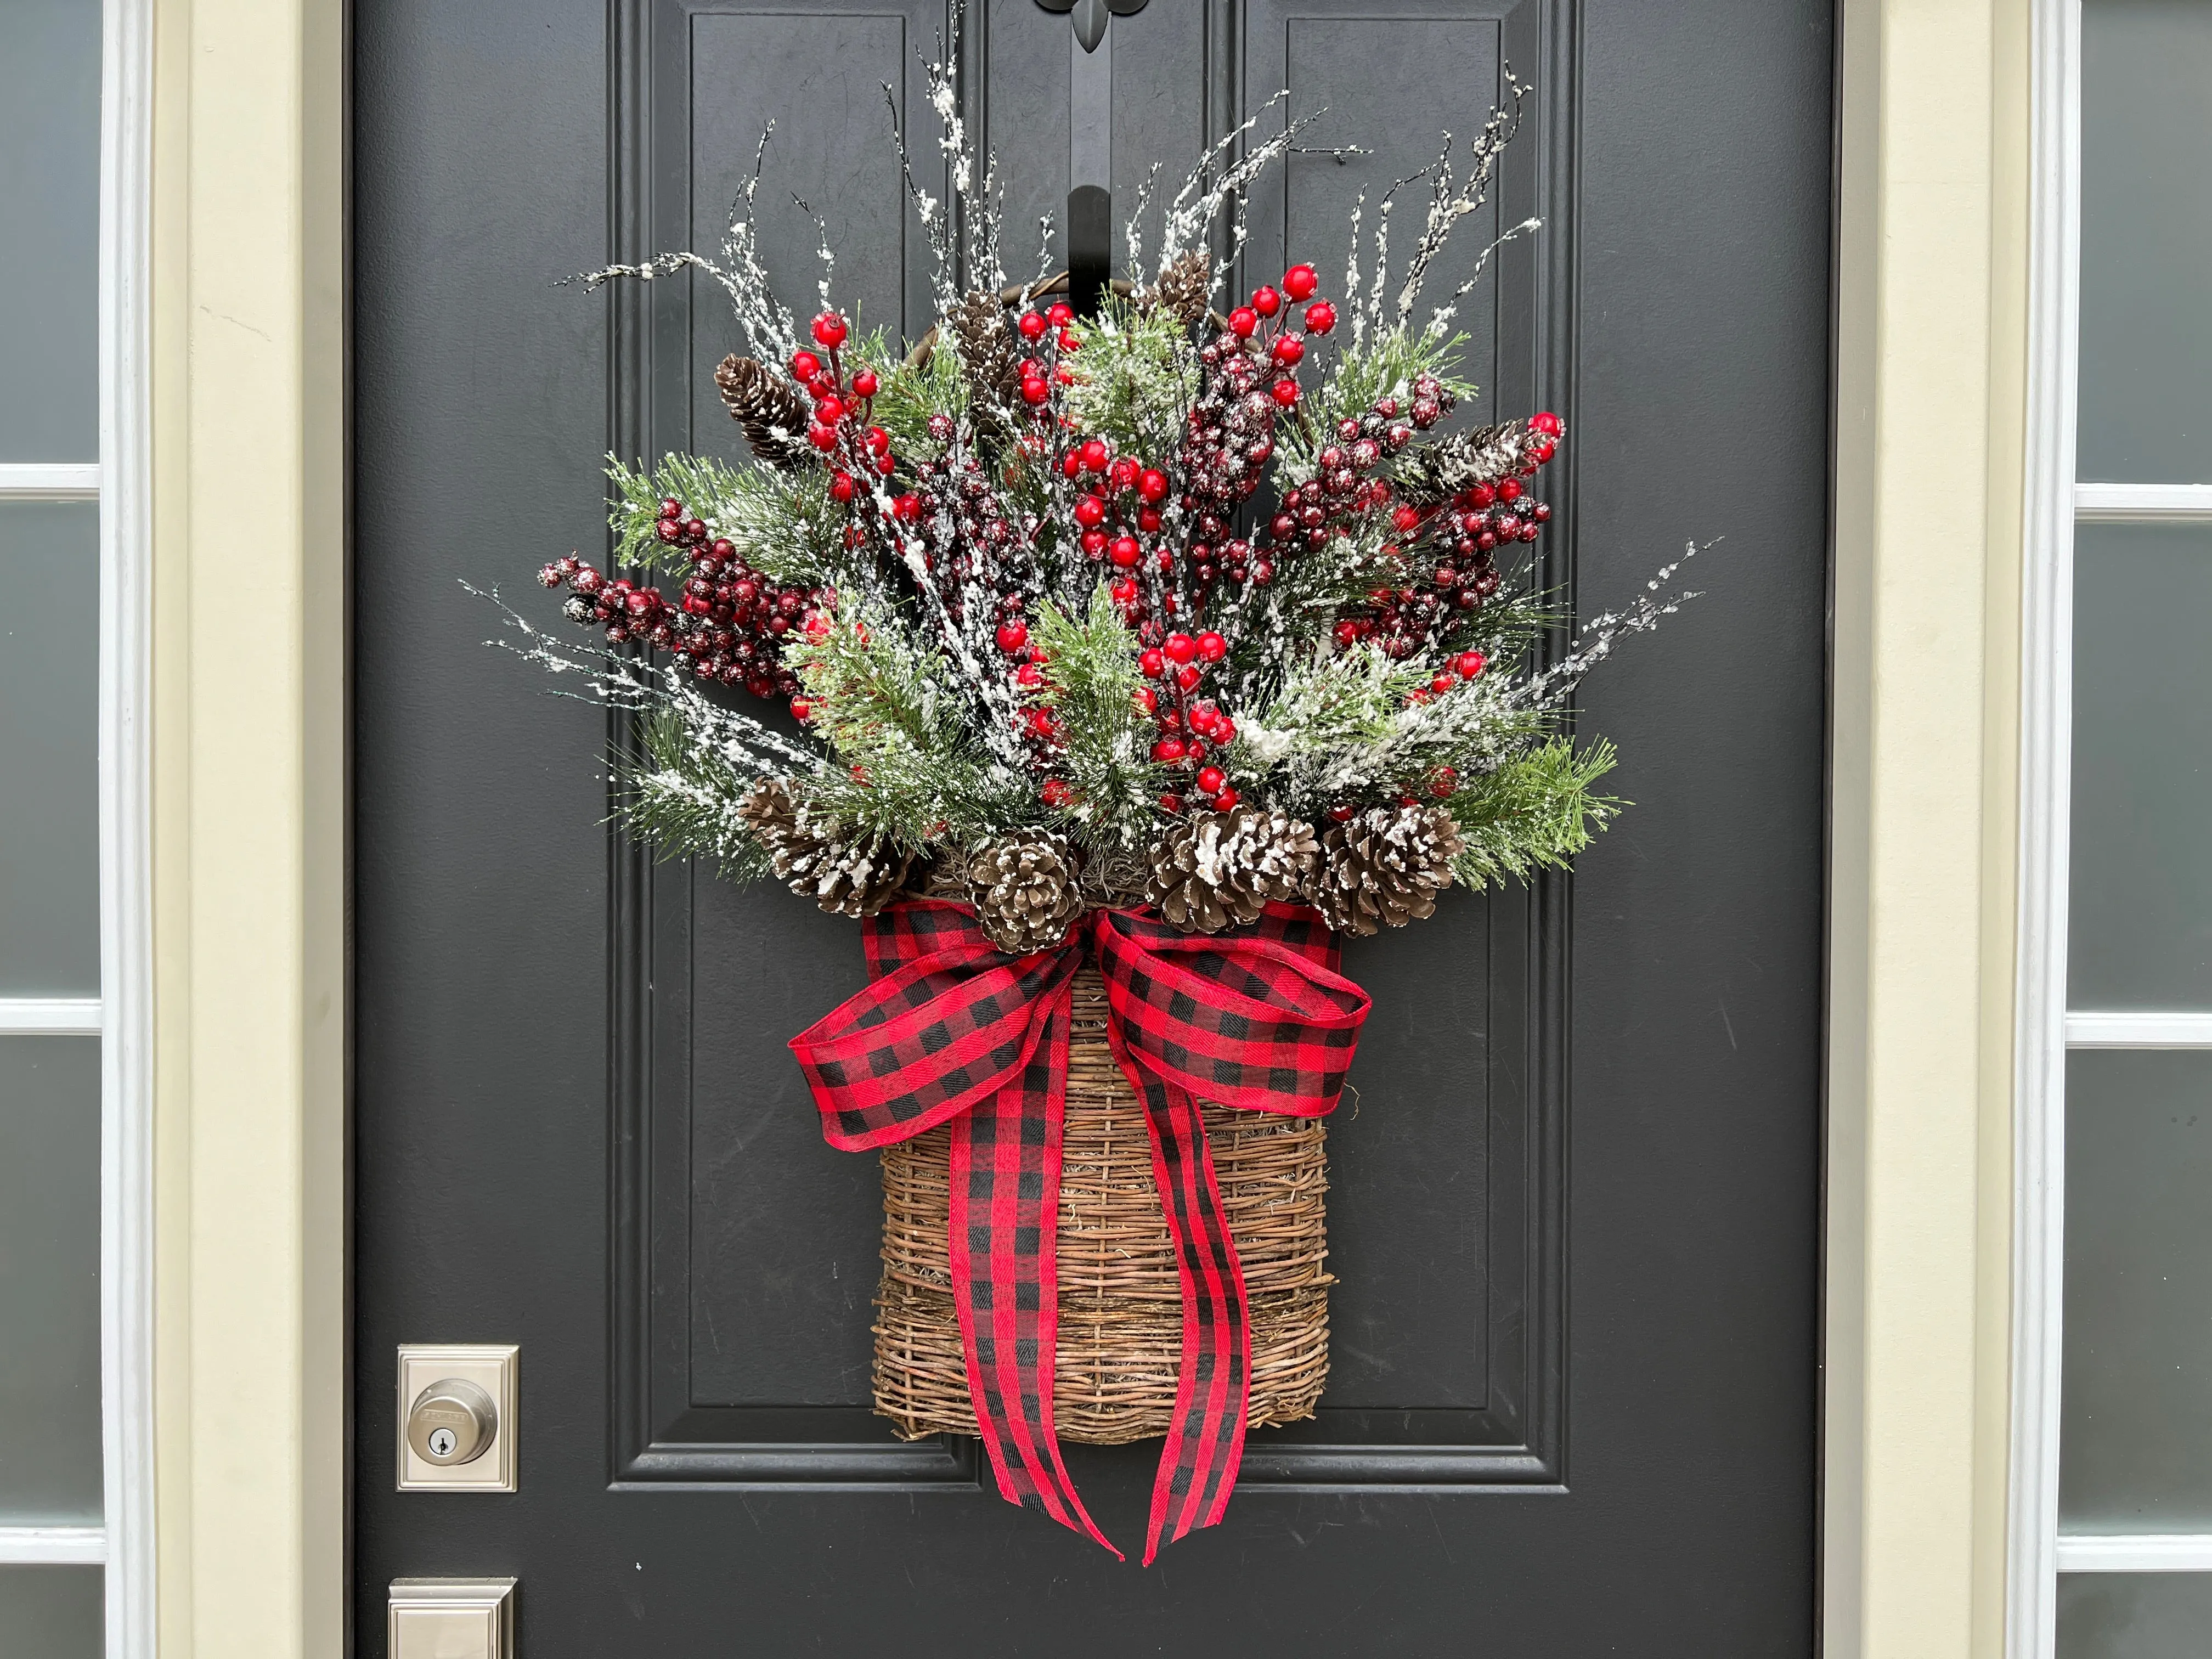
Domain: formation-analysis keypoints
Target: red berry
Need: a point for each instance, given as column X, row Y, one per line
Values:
column 1266, row 301
column 1224, row 801
column 1470, row 664
column 905, row 509
column 1547, row 423
column 1171, row 802
column 1090, row 512
column 1299, row 282
column 1441, row 683
column 1287, row 349
column 801, row 709
column 1060, row 316
column 1069, row 340
column 1321, row 317
column 1013, row 637
column 1509, row 490
column 830, row 330
column 804, row 366
column 1148, row 519
column 821, row 436
column 1029, row 676
column 1055, row 792
column 1124, row 551
column 864, row 384
column 1151, row 665
column 841, row 488
column 1224, row 731
column 1095, row 455
column 1032, row 326
column 1340, row 813
column 1541, row 451
column 1093, row 542
column 1168, row 750
column 1210, row 779
column 1188, row 677
column 1286, row 392
column 829, row 410
column 1148, row 700
column 1152, row 484
column 1406, row 519
column 1035, row 390
column 1442, row 781
column 551, row 576
column 1212, row 647
column 1181, row 648
column 1243, row 322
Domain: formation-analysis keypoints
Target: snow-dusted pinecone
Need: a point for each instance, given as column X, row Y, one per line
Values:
column 1437, row 471
column 817, row 860
column 1183, row 288
column 1222, row 869
column 989, row 361
column 1024, row 892
column 1384, row 868
column 772, row 414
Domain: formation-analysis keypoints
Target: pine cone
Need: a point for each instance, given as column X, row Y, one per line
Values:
column 989, row 362
column 1436, row 471
column 1184, row 288
column 1025, row 893
column 771, row 412
column 844, row 876
column 1385, row 868
column 1221, row 870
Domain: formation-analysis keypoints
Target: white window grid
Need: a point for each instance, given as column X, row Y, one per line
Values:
column 2046, row 1029
column 121, row 1016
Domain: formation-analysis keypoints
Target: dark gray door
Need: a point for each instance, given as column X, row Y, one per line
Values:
column 1573, row 1212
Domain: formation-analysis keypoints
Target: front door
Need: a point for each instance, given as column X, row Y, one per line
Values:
column 1574, row 1192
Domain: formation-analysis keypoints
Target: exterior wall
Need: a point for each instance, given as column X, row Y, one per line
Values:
column 249, row 824
column 249, row 745
column 1930, row 426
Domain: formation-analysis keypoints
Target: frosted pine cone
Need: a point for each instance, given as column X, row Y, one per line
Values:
column 774, row 416
column 1222, row 870
column 989, row 362
column 1384, row 868
column 817, row 861
column 1183, row 288
column 1437, row 471
column 1024, row 892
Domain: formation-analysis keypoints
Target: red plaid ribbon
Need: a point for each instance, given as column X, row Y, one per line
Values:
column 951, row 1029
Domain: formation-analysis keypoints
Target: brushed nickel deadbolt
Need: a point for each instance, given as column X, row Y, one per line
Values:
column 452, row 1421
column 457, row 1409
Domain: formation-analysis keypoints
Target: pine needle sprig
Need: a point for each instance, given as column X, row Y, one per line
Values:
column 1535, row 812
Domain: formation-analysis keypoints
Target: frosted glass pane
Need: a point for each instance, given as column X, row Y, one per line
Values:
column 49, row 748
column 50, row 249
column 2136, row 1434
column 2135, row 1615
column 51, row 1613
column 2146, row 395
column 49, row 1280
column 2141, row 917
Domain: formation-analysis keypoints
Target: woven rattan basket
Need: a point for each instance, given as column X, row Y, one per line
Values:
column 1121, row 1303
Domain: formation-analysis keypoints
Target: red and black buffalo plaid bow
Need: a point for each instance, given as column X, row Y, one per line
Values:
column 952, row 1031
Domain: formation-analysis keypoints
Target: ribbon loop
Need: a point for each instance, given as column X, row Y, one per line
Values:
column 950, row 1030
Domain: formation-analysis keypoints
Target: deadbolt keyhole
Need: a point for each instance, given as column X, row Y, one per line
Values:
column 452, row 1421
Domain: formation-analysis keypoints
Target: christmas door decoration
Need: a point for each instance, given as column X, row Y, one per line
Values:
column 1170, row 643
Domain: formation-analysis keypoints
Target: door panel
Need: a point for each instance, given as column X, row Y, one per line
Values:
column 1573, row 1200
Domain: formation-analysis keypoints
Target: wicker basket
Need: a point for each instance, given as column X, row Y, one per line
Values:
column 1121, row 1303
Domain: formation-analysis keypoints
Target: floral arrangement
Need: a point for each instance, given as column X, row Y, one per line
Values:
column 1192, row 603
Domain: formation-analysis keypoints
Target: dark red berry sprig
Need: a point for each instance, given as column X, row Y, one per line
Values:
column 728, row 624
column 1452, row 546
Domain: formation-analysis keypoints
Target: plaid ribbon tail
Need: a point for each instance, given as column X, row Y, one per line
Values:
column 1206, row 1434
column 1006, row 1281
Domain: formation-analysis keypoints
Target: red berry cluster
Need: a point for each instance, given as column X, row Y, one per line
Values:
column 1191, row 728
column 1039, row 375
column 1229, row 436
column 729, row 624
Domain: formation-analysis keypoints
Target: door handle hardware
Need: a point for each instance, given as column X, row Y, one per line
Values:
column 450, row 1619
column 457, row 1406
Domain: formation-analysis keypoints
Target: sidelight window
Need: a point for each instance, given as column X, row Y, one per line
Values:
column 2113, row 1525
column 74, row 1491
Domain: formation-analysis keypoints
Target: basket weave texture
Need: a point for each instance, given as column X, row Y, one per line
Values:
column 1121, row 1301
